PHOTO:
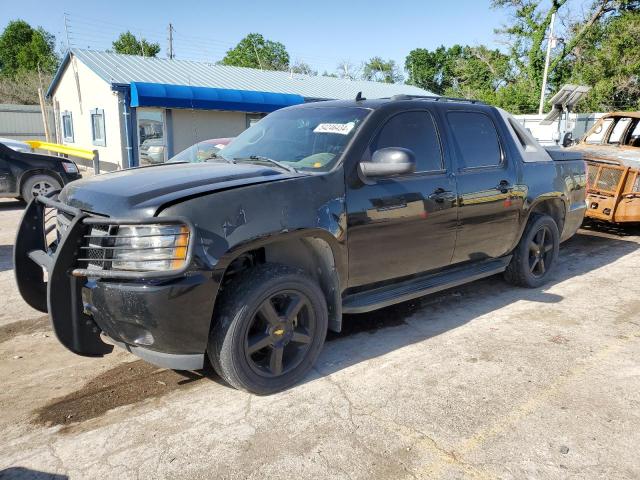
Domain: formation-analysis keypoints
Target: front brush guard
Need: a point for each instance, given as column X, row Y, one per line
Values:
column 61, row 295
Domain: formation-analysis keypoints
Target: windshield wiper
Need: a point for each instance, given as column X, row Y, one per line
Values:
column 215, row 156
column 260, row 158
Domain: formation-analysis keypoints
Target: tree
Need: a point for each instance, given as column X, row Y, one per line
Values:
column 22, row 88
column 459, row 71
column 527, row 39
column 379, row 70
column 128, row 44
column 255, row 52
column 347, row 70
column 24, row 49
column 300, row 66
column 608, row 60
column 431, row 70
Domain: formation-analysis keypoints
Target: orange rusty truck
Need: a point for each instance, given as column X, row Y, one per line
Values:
column 611, row 149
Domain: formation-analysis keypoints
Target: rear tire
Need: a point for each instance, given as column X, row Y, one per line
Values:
column 269, row 328
column 536, row 253
column 37, row 185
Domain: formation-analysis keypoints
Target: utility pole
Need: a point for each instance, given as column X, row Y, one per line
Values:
column 43, row 106
column 66, row 29
column 170, row 51
column 550, row 43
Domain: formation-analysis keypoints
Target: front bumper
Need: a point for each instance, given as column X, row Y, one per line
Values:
column 160, row 316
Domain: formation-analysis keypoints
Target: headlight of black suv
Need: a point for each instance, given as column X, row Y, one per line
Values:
column 151, row 247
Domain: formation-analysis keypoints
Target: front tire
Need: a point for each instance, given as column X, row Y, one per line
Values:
column 270, row 326
column 39, row 185
column 536, row 253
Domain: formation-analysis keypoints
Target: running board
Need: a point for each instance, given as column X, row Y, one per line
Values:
column 423, row 285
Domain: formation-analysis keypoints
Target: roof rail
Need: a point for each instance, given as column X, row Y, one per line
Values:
column 433, row 98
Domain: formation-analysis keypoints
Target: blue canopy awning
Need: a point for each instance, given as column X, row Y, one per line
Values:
column 205, row 98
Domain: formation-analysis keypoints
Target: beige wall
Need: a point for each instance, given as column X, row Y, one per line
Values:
column 193, row 126
column 94, row 93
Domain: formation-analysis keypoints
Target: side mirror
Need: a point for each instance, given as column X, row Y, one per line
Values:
column 388, row 162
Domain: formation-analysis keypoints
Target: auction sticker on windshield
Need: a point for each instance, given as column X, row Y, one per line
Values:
column 339, row 128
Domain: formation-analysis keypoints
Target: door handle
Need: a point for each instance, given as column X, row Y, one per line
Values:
column 439, row 195
column 504, row 186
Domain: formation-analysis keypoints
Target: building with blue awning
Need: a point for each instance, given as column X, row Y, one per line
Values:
column 139, row 110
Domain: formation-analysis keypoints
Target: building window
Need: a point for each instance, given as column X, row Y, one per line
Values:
column 253, row 118
column 97, row 127
column 67, row 126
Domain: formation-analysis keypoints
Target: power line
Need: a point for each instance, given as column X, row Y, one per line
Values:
column 91, row 33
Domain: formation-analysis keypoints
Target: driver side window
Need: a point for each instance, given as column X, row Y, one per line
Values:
column 415, row 131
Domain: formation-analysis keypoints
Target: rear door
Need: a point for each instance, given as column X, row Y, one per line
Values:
column 488, row 204
column 403, row 225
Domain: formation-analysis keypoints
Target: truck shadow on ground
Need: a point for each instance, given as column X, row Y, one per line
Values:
column 27, row 473
column 6, row 258
column 11, row 205
column 137, row 381
column 432, row 315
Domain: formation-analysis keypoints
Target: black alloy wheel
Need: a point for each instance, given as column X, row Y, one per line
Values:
column 269, row 326
column 541, row 253
column 535, row 254
column 279, row 336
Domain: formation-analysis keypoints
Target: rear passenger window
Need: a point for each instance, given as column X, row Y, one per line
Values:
column 476, row 139
column 415, row 131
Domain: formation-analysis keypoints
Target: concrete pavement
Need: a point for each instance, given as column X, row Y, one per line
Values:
column 483, row 381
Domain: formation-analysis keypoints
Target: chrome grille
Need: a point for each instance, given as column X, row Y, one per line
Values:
column 94, row 251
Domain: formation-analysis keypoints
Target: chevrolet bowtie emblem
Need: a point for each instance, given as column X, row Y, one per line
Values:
column 278, row 332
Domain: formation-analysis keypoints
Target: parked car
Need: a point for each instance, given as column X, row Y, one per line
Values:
column 612, row 151
column 26, row 175
column 152, row 151
column 201, row 151
column 317, row 210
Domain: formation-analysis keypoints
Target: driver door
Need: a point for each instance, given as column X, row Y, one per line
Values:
column 403, row 225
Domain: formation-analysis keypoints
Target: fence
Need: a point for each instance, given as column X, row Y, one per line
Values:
column 23, row 122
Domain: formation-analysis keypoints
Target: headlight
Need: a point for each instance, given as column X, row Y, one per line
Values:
column 150, row 247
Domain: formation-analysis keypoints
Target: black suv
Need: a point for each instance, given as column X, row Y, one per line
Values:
column 26, row 175
column 317, row 210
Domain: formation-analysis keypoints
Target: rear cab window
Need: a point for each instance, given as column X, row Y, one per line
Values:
column 476, row 140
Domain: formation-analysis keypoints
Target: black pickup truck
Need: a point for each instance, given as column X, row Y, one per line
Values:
column 315, row 211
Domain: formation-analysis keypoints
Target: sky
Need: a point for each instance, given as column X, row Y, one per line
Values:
column 321, row 33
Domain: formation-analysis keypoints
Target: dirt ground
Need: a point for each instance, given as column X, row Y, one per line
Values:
column 482, row 381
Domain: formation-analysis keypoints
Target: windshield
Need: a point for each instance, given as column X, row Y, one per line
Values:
column 309, row 139
column 200, row 152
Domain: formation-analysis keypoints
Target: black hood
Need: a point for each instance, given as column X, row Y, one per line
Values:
column 139, row 192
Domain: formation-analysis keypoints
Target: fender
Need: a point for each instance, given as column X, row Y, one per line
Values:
column 36, row 171
column 531, row 206
column 239, row 249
